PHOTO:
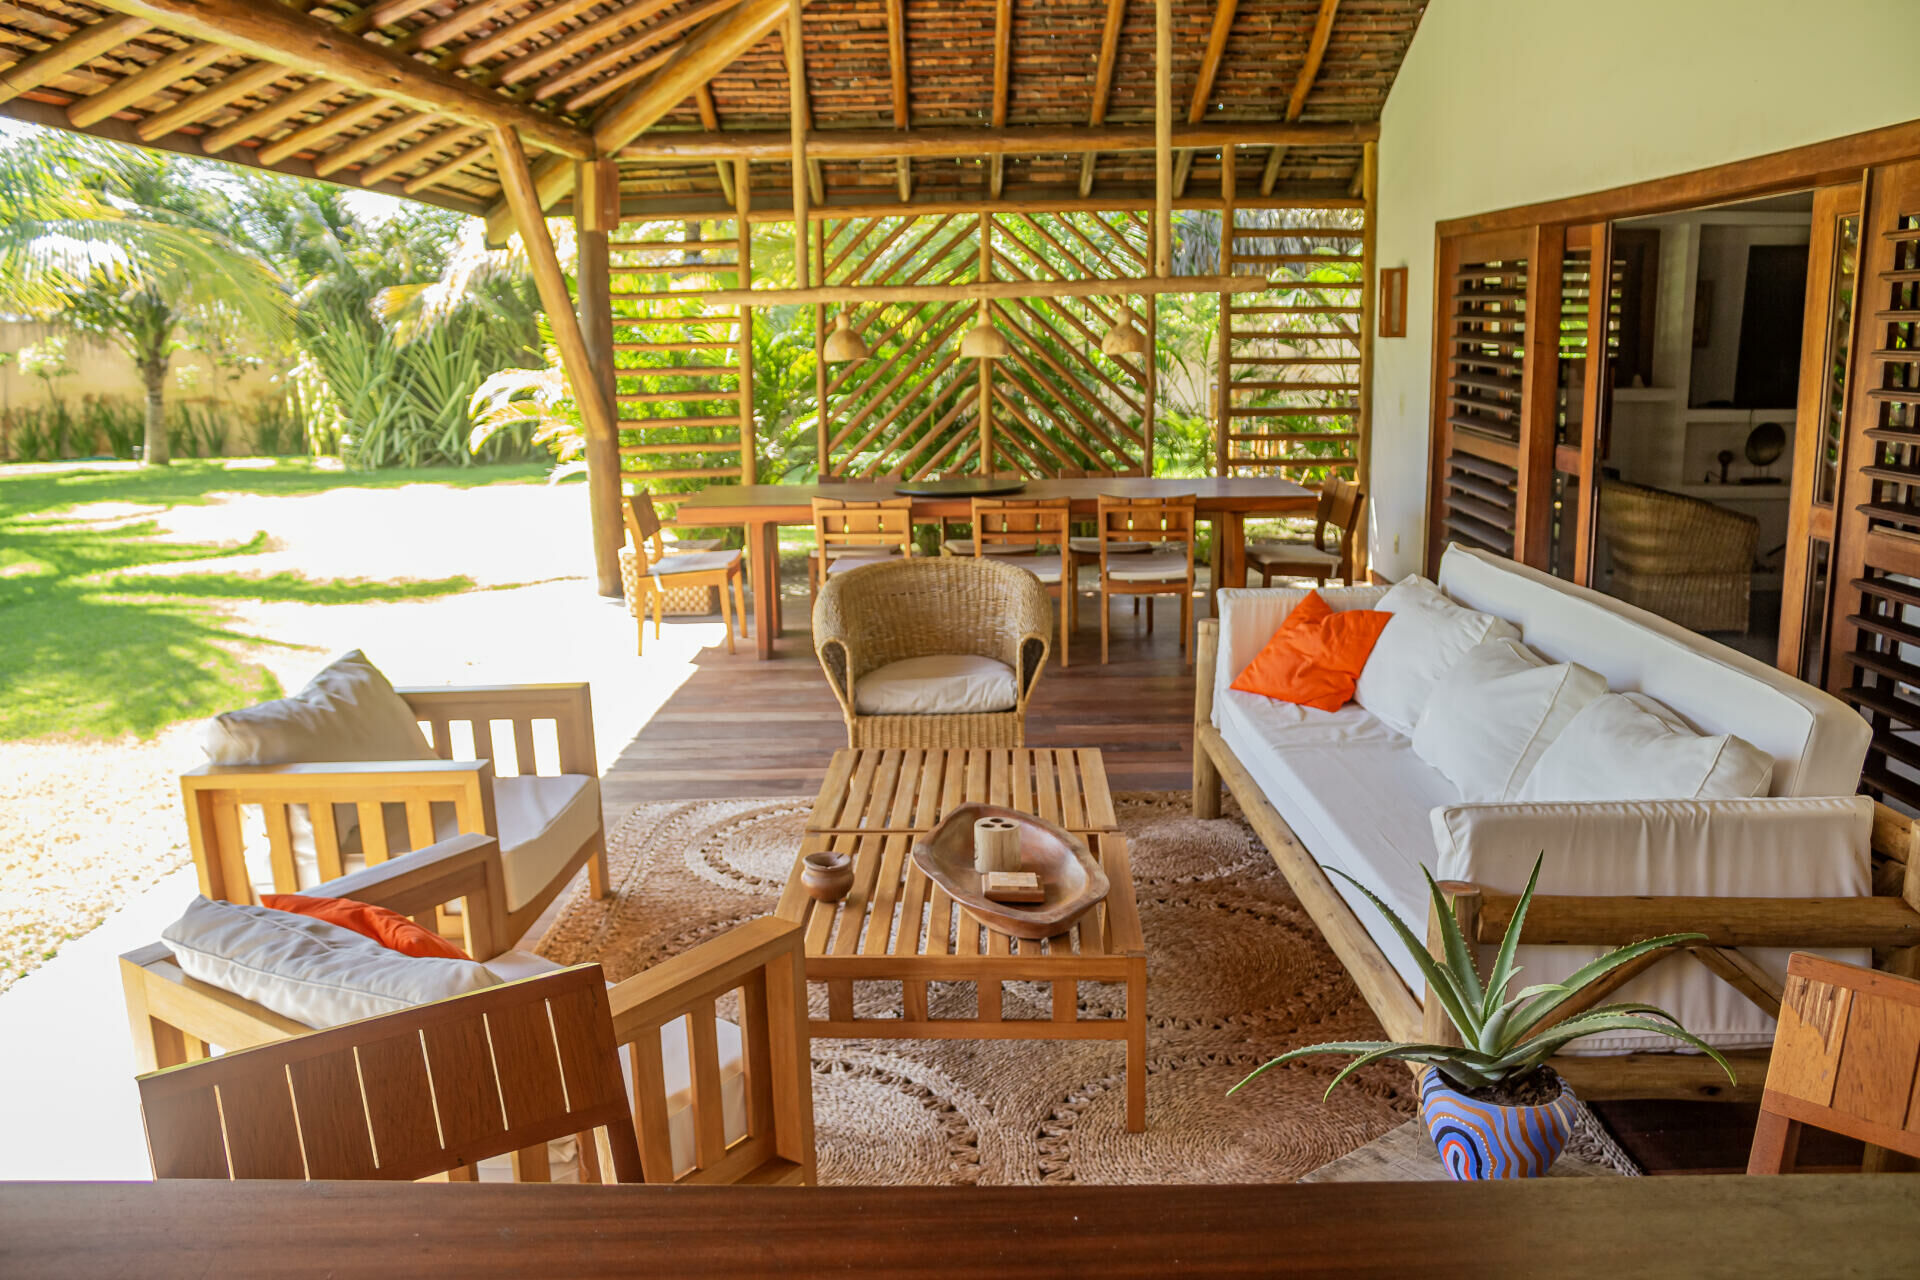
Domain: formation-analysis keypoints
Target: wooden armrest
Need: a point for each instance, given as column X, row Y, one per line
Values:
column 569, row 704
column 331, row 774
column 1567, row 920
column 659, row 995
column 463, row 868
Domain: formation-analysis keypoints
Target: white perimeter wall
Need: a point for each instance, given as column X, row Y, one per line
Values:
column 1508, row 102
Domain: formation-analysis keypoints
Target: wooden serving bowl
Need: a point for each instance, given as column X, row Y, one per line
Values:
column 1073, row 880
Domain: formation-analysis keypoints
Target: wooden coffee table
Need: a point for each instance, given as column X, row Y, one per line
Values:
column 897, row 926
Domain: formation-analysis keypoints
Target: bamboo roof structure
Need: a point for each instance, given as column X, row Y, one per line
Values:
column 909, row 103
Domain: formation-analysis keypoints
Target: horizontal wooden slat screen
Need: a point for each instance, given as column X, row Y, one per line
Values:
column 1880, row 633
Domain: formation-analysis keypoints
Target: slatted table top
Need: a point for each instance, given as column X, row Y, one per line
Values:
column 874, row 790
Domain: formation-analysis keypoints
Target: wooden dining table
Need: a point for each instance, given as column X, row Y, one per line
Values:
column 760, row 510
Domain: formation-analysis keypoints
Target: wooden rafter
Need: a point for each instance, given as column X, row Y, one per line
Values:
column 123, row 93
column 1309, row 72
column 583, row 39
column 202, row 103
column 897, row 70
column 793, row 49
column 259, row 123
column 358, row 148
column 1102, row 84
column 405, row 158
column 880, row 144
column 462, row 20
column 82, row 45
column 710, row 119
column 328, row 126
column 312, row 45
column 1002, row 78
column 1203, row 87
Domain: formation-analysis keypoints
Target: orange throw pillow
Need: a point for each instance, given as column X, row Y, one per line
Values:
column 388, row 928
column 1316, row 655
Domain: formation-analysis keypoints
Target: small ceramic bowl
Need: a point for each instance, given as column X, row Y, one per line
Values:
column 828, row 877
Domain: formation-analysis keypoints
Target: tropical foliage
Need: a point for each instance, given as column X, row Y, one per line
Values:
column 1504, row 1036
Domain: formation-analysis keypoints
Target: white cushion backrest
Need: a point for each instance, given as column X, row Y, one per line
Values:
column 1250, row 615
column 347, row 712
column 1817, row 743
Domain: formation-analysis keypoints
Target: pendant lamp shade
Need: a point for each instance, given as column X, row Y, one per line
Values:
column 843, row 344
column 983, row 341
column 1124, row 339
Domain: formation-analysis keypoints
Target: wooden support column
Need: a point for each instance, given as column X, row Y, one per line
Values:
column 1163, row 137
column 986, row 365
column 822, row 419
column 1103, row 83
column 1223, row 387
column 596, row 213
column 1369, row 326
column 743, row 229
column 1002, row 73
column 1309, row 72
column 797, row 124
column 603, row 482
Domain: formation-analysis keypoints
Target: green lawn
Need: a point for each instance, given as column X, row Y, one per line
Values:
column 89, row 646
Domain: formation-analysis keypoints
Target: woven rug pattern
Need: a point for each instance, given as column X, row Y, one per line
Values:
column 1237, row 973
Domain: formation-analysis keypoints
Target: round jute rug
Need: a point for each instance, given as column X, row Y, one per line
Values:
column 1236, row 974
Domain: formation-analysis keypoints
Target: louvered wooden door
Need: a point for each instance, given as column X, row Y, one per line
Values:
column 1875, row 592
column 1496, row 385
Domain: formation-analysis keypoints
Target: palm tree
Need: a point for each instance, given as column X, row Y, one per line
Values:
column 134, row 248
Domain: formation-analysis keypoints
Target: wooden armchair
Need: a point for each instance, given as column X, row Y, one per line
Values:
column 547, row 820
column 665, row 1020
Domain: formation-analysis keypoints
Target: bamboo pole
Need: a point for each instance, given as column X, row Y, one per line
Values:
column 994, row 290
column 986, row 364
column 1223, row 390
column 1369, row 325
column 743, row 229
column 603, row 483
column 596, row 215
column 1163, row 137
column 942, row 143
column 797, row 125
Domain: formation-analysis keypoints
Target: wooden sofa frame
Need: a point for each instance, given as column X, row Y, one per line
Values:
column 215, row 794
column 1888, row 922
column 175, row 1019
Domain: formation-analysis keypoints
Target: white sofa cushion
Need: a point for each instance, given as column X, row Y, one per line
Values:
column 947, row 684
column 1250, row 615
column 316, row 973
column 1629, row 747
column 347, row 712
column 1495, row 712
column 1428, row 635
column 1817, row 742
column 1797, row 848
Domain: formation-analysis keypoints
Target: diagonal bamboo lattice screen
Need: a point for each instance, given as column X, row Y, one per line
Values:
column 1053, row 405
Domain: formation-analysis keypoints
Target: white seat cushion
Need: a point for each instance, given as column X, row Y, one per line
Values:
column 543, row 822
column 964, row 547
column 1293, row 552
column 1632, row 747
column 1158, row 566
column 1428, row 634
column 693, row 562
column 941, row 685
column 1091, row 547
column 869, row 551
column 1491, row 717
column 1047, row 568
column 307, row 969
column 847, row 564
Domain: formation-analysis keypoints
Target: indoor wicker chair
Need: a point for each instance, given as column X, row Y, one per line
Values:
column 1683, row 558
column 1342, row 506
column 937, row 651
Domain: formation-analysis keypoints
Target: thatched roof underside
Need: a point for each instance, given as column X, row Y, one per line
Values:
column 89, row 66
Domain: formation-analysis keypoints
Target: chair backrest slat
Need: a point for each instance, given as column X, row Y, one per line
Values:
column 1028, row 522
column 643, row 527
column 404, row 1095
column 1846, row 1058
column 886, row 522
column 1170, row 519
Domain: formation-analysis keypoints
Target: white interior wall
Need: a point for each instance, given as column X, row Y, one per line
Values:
column 1508, row 102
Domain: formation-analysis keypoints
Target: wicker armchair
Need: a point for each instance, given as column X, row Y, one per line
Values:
column 900, row 618
column 1682, row 558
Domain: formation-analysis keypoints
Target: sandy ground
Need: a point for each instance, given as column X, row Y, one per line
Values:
column 84, row 826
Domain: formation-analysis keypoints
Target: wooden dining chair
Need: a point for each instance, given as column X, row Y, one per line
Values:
column 1846, row 1058
column 428, row 1090
column 1168, row 525
column 1034, row 531
column 1341, row 507
column 660, row 571
column 848, row 533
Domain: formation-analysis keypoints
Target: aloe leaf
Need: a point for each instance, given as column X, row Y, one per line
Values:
column 1541, row 1047
column 1591, row 972
column 1449, row 1057
column 1341, row 1046
column 1503, row 970
column 1459, row 955
column 1442, row 982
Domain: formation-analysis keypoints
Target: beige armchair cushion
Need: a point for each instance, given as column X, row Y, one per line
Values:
column 942, row 685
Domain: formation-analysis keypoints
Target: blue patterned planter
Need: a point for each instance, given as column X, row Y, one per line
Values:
column 1482, row 1140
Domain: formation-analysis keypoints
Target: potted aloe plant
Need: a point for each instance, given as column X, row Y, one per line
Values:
column 1493, row 1105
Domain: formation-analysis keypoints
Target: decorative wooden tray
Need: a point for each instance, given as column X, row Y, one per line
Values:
column 1074, row 882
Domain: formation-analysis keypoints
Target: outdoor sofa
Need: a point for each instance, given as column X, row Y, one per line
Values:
column 1793, row 868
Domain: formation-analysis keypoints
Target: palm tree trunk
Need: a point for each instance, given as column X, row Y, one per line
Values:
column 154, row 372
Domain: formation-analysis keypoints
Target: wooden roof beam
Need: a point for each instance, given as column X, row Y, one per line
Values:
column 128, row 90
column 460, row 21
column 328, row 126
column 793, row 43
column 880, row 144
column 197, row 106
column 1002, row 75
column 357, row 149
column 311, row 96
column 1103, row 83
column 710, row 118
column 81, row 45
column 584, row 38
column 801, row 105
column 897, row 67
column 980, row 291
column 1203, row 87
column 1309, row 72
column 408, row 157
column 314, row 46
